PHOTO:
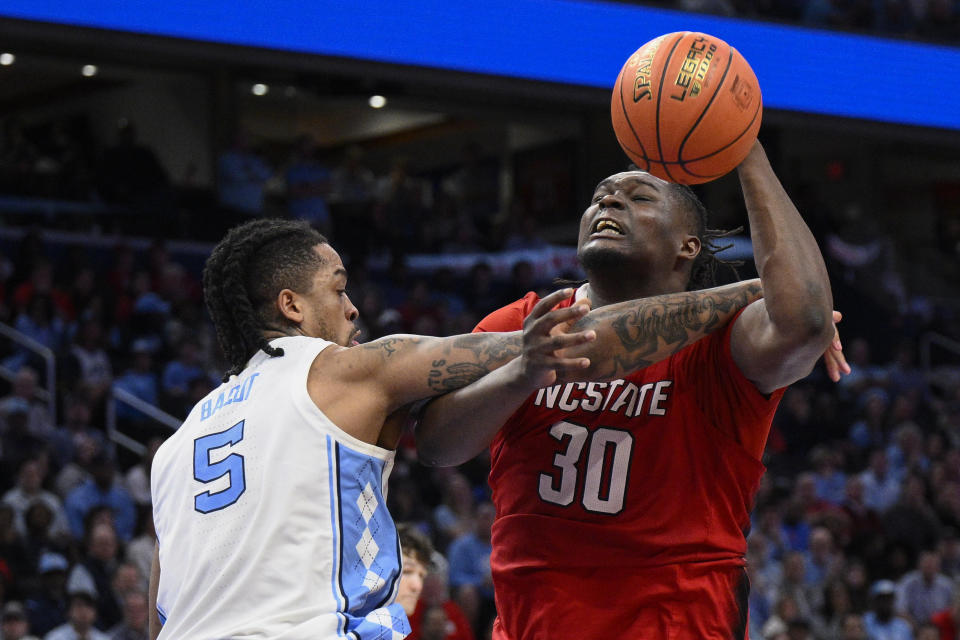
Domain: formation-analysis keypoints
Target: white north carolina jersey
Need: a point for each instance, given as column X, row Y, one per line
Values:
column 272, row 521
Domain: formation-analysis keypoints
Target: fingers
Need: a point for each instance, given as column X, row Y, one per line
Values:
column 558, row 318
column 549, row 302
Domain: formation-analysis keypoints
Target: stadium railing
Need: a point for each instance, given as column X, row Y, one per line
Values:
column 149, row 410
column 48, row 394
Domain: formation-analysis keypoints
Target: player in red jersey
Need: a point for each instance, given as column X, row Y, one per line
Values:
column 622, row 503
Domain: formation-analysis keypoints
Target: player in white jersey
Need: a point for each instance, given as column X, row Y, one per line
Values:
column 269, row 501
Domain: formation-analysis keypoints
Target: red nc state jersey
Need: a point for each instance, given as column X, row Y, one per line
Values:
column 622, row 506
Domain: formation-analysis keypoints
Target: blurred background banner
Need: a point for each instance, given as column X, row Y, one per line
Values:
column 562, row 41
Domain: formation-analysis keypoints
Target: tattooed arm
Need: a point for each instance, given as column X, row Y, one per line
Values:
column 625, row 336
column 635, row 334
column 358, row 387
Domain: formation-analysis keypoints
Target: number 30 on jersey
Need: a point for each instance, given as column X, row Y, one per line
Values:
column 604, row 483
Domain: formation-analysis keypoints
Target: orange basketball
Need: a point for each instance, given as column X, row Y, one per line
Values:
column 686, row 107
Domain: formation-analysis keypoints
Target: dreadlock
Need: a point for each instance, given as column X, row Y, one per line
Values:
column 703, row 274
column 243, row 276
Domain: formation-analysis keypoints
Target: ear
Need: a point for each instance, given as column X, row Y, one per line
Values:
column 690, row 248
column 290, row 306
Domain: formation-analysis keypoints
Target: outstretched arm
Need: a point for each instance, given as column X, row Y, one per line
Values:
column 777, row 340
column 628, row 336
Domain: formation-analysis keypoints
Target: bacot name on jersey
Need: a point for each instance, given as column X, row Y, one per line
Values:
column 616, row 396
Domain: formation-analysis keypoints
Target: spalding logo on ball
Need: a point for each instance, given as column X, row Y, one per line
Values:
column 686, row 107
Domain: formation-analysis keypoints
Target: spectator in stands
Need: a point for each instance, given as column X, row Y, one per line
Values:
column 784, row 610
column 880, row 622
column 905, row 454
column 470, row 569
column 14, row 624
column 869, row 431
column 880, row 487
column 94, row 573
column 77, row 471
column 179, row 373
column 823, row 563
column 75, row 427
column 40, row 284
column 88, row 369
column 475, row 188
column 47, row 608
column 134, row 624
column 417, row 552
column 81, row 616
column 454, row 516
column 139, row 551
column 308, row 185
column 352, row 182
column 863, row 373
column 793, row 584
column 18, row 443
column 40, row 322
column 139, row 380
column 863, row 524
column 401, row 202
column 29, row 489
column 38, row 539
column 829, row 479
column 26, row 392
column 15, row 567
column 137, row 478
column 241, row 178
column 434, row 625
column 423, row 584
column 127, row 579
column 101, row 490
column 947, row 621
column 132, row 175
column 836, row 606
column 853, row 628
column 911, row 521
column 924, row 591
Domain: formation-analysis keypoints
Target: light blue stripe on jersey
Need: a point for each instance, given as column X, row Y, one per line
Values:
column 335, row 529
column 370, row 551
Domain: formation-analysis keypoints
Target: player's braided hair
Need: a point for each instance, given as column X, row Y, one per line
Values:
column 243, row 276
column 703, row 274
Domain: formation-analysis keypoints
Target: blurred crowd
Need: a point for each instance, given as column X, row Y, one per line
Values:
column 937, row 20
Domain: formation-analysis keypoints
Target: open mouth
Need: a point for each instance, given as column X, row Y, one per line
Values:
column 607, row 227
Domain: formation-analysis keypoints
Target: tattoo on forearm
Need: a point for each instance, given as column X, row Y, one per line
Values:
column 469, row 357
column 444, row 377
column 676, row 320
column 490, row 350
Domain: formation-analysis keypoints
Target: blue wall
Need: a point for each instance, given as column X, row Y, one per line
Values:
column 566, row 41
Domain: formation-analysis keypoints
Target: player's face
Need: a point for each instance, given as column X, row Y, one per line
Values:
column 631, row 217
column 411, row 583
column 328, row 312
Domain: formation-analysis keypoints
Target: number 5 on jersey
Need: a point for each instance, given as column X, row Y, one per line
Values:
column 602, row 492
column 206, row 472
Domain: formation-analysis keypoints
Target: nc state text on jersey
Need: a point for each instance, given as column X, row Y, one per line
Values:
column 236, row 393
column 616, row 396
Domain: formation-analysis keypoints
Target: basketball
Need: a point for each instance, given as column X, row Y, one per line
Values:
column 686, row 107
